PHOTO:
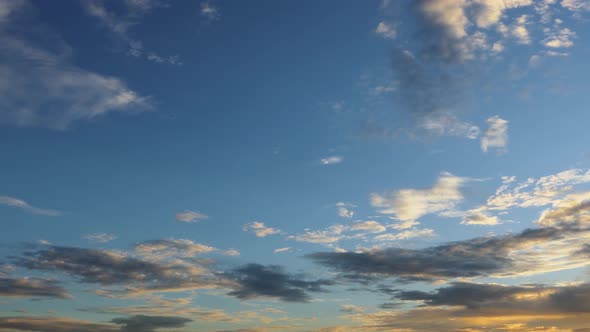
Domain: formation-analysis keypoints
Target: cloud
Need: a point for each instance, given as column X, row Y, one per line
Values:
column 39, row 85
column 209, row 11
column 20, row 204
column 330, row 235
column 168, row 248
column 120, row 23
column 447, row 124
column 564, row 231
column 190, row 216
column 411, row 204
column 477, row 217
column 345, row 209
column 53, row 324
column 386, row 30
column 28, row 287
column 100, row 237
column 279, row 250
column 260, row 229
column 405, row 235
column 111, row 268
column 271, row 281
column 497, row 134
column 576, row 5
column 370, row 226
column 331, row 160
column 141, row 323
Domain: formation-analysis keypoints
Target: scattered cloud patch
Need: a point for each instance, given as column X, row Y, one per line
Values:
column 496, row 136
column 260, row 229
column 386, row 30
column 190, row 216
column 23, row 205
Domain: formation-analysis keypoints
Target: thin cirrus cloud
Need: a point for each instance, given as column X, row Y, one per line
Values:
column 100, row 237
column 120, row 23
column 41, row 87
column 331, row 160
column 190, row 216
column 23, row 205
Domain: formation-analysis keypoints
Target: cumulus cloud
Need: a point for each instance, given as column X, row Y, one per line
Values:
column 497, row 134
column 411, row 204
column 40, row 85
column 272, row 281
column 29, row 287
column 20, row 204
column 260, row 229
column 190, row 216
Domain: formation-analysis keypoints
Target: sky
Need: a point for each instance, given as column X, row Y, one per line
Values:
column 296, row 166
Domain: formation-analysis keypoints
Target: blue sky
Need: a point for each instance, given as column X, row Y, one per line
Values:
column 294, row 166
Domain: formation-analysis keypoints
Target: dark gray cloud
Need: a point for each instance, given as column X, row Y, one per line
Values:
column 476, row 257
column 28, row 287
column 52, row 324
column 566, row 299
column 137, row 323
column 141, row 323
column 113, row 268
column 257, row 280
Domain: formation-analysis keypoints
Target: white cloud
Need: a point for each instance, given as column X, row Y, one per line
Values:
column 39, row 85
column 560, row 38
column 330, row 235
column 100, row 237
column 331, row 160
column 172, row 248
column 19, row 203
column 576, row 5
column 386, row 30
column 370, row 226
column 411, row 204
column 231, row 252
column 447, row 124
column 121, row 23
column 345, row 209
column 209, row 11
column 279, row 250
column 497, row 134
column 477, row 217
column 190, row 216
column 407, row 234
column 260, row 229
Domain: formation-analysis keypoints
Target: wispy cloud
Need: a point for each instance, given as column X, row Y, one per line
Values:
column 386, row 30
column 190, row 216
column 209, row 11
column 40, row 86
column 331, row 160
column 100, row 237
column 21, row 204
